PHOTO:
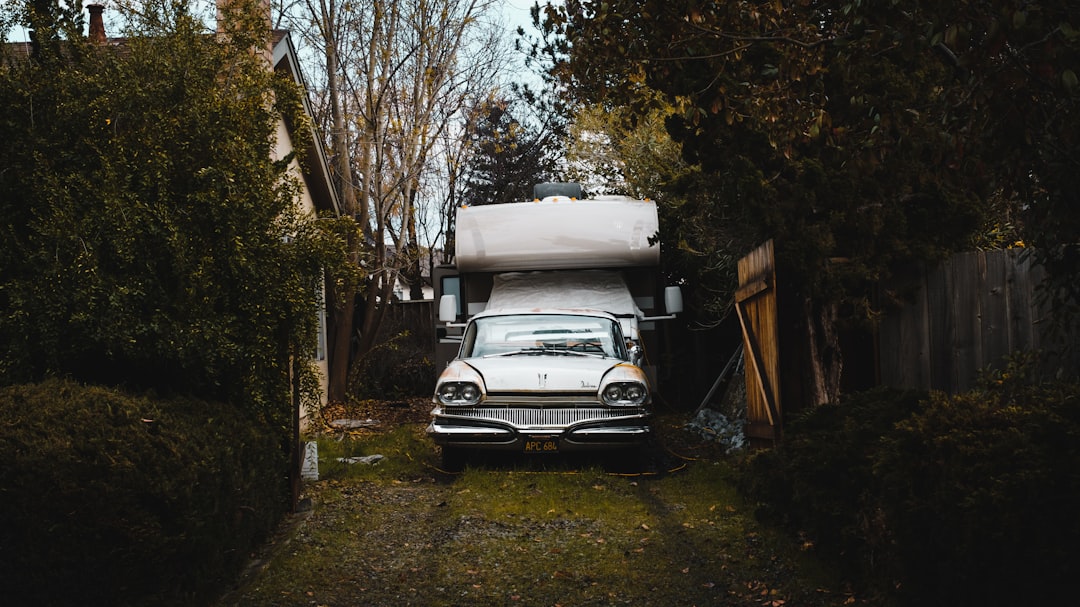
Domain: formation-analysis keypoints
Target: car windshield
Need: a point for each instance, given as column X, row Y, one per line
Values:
column 524, row 334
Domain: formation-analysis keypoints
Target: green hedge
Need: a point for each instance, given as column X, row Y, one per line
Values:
column 820, row 481
column 113, row 499
column 970, row 499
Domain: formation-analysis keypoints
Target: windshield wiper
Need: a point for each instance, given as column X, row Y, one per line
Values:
column 534, row 350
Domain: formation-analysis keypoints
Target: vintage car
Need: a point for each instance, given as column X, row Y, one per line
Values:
column 541, row 381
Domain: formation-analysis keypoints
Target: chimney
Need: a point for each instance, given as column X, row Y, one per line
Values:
column 97, row 24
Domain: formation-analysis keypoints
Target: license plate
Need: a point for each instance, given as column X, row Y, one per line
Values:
column 541, row 445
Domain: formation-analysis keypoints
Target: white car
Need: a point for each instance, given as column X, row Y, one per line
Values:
column 541, row 381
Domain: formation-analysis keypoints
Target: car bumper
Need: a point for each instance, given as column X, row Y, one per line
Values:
column 477, row 432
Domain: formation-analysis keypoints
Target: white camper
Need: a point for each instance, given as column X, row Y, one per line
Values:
column 544, row 325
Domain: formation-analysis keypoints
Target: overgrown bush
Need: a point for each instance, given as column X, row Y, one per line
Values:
column 397, row 367
column 148, row 235
column 111, row 499
column 966, row 499
column 981, row 492
column 820, row 481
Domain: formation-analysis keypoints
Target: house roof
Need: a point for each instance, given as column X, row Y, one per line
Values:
column 317, row 166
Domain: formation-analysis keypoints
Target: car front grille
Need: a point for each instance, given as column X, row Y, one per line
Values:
column 544, row 417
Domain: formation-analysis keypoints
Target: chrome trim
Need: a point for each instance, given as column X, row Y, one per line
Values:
column 541, row 417
column 542, row 399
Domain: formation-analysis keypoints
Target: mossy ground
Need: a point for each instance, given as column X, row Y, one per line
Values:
column 554, row 531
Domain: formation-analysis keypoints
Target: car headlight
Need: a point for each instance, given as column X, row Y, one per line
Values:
column 458, row 393
column 624, row 393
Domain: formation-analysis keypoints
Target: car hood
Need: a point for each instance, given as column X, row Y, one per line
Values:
column 542, row 373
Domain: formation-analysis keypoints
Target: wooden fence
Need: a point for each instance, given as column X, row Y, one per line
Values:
column 418, row 316
column 941, row 327
column 966, row 314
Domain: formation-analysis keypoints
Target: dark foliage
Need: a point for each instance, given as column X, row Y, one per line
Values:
column 509, row 157
column 980, row 491
column 148, row 237
column 957, row 500
column 112, row 499
column 399, row 366
column 821, row 480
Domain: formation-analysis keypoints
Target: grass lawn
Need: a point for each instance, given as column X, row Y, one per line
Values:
column 544, row 532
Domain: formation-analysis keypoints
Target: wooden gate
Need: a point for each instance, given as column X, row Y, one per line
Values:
column 755, row 304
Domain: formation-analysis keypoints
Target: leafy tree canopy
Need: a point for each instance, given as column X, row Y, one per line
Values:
column 872, row 133
column 147, row 235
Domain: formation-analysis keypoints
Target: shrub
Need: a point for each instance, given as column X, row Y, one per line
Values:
column 112, row 499
column 820, row 481
column 150, row 237
column 398, row 367
column 966, row 499
column 981, row 492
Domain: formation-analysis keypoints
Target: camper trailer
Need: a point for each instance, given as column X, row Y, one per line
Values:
column 546, row 320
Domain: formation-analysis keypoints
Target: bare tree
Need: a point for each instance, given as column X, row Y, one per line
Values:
column 395, row 79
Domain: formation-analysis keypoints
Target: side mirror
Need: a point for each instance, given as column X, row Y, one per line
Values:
column 637, row 354
column 448, row 308
column 673, row 300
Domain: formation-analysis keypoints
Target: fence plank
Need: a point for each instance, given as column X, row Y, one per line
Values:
column 939, row 319
column 911, row 336
column 966, row 278
column 994, row 308
column 1018, row 293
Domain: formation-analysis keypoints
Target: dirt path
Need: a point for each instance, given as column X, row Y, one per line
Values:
column 542, row 533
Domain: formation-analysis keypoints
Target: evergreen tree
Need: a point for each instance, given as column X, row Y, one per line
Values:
column 508, row 157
